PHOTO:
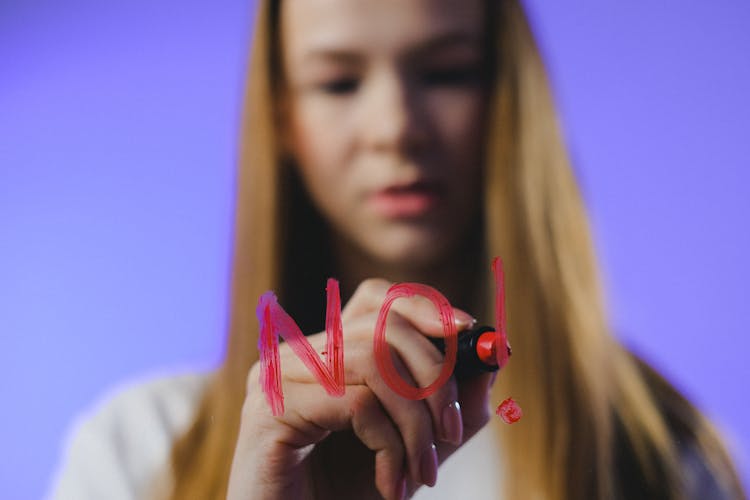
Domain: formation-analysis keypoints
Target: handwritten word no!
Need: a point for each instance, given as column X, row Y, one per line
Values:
column 275, row 322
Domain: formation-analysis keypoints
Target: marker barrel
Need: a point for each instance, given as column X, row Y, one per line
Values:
column 476, row 352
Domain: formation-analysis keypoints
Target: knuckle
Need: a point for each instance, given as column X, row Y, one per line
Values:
column 371, row 287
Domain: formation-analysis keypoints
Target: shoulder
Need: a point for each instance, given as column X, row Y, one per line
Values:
column 706, row 471
column 142, row 415
column 117, row 449
column 167, row 401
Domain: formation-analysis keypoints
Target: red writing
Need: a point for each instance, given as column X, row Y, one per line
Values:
column 275, row 322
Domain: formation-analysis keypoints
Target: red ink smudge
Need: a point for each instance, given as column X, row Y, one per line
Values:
column 509, row 411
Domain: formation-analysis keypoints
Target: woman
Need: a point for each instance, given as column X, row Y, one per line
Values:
column 413, row 141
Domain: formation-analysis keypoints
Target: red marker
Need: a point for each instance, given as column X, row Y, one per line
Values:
column 476, row 352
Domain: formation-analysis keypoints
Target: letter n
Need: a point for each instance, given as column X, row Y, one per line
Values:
column 275, row 322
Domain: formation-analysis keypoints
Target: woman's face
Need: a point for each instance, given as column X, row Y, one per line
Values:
column 383, row 114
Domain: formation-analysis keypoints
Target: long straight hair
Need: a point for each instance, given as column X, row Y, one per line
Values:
column 581, row 392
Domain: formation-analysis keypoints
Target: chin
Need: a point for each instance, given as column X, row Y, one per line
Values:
column 416, row 251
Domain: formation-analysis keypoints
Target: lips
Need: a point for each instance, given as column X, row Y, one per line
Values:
column 406, row 201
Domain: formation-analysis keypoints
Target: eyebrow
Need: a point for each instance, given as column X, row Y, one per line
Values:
column 331, row 54
column 440, row 42
column 447, row 40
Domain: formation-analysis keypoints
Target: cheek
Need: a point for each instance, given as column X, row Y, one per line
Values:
column 320, row 148
column 316, row 145
column 312, row 143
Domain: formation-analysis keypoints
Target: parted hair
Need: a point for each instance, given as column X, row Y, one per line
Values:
column 598, row 423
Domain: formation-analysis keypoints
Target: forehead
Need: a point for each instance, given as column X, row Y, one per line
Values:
column 373, row 26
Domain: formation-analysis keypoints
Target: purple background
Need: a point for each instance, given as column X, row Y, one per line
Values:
column 117, row 149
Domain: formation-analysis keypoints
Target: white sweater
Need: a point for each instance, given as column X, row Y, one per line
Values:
column 121, row 450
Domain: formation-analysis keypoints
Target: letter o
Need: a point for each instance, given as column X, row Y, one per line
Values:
column 382, row 353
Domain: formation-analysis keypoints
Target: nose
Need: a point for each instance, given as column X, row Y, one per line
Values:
column 392, row 115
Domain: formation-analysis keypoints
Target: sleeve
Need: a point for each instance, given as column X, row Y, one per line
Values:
column 93, row 467
column 121, row 451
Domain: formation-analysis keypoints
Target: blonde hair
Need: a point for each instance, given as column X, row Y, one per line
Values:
column 583, row 395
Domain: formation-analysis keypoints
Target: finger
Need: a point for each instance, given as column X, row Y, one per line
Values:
column 474, row 397
column 371, row 294
column 412, row 418
column 373, row 427
column 423, row 363
column 421, row 312
column 367, row 298
column 312, row 414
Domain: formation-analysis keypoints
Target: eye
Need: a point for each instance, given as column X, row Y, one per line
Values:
column 452, row 77
column 340, row 86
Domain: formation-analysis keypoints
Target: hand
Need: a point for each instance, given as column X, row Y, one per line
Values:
column 371, row 442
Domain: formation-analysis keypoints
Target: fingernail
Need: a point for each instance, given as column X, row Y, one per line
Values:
column 463, row 320
column 428, row 466
column 453, row 424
